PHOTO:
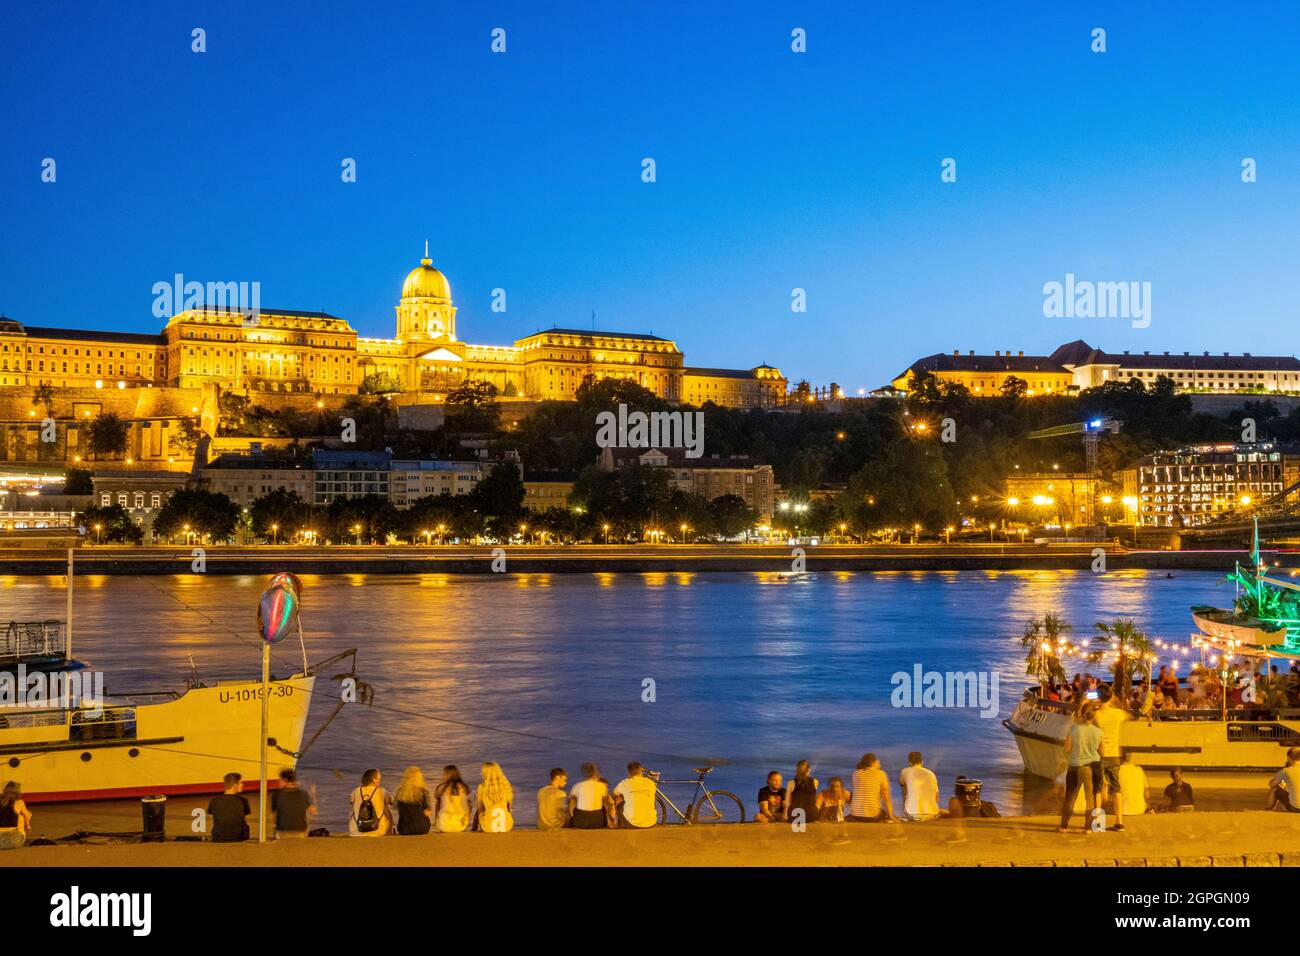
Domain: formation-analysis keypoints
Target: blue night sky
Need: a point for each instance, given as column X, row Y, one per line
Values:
column 775, row 170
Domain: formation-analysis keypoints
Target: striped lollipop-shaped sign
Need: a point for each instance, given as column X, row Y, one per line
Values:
column 277, row 611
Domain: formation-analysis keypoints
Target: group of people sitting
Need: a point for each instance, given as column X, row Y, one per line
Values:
column 453, row 806
column 869, row 800
column 1203, row 690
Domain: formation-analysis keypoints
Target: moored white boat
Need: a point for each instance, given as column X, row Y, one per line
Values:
column 71, row 744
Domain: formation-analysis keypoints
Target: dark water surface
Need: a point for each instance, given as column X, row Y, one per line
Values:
column 544, row 670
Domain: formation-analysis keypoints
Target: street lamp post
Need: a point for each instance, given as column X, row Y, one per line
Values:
column 356, row 529
column 605, row 528
column 275, row 528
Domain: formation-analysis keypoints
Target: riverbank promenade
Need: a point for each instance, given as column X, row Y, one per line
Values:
column 1233, row 839
column 595, row 559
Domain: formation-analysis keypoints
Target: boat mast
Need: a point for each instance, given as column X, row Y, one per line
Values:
column 67, row 627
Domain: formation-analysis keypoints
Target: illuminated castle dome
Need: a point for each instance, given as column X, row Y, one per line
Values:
column 425, row 312
column 426, row 282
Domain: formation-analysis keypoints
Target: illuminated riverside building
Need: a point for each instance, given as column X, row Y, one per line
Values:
column 281, row 350
column 710, row 477
column 1191, row 486
column 1052, row 498
column 1077, row 365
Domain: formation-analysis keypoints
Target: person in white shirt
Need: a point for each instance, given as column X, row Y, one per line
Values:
column 1134, row 793
column 589, row 800
column 635, row 798
column 920, row 789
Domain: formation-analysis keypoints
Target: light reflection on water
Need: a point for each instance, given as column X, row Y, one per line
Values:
column 542, row 670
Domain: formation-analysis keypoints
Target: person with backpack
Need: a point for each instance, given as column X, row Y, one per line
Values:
column 370, row 815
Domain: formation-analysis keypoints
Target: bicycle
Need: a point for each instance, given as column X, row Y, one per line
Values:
column 711, row 806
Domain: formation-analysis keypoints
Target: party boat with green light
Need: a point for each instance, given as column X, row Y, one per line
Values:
column 1261, row 628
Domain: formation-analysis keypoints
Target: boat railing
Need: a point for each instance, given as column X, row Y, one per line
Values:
column 24, row 639
column 107, row 723
column 13, row 718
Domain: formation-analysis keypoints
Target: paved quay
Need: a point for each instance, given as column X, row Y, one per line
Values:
column 1202, row 839
column 593, row 559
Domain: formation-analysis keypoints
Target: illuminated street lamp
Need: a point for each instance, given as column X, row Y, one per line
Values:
column 605, row 528
column 356, row 529
column 442, row 529
column 684, row 529
column 275, row 528
column 98, row 537
column 1131, row 503
column 427, row 536
column 523, row 530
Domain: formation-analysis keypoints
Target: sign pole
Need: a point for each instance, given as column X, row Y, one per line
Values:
column 266, row 699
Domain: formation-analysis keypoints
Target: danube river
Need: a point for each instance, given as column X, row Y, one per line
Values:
column 750, row 671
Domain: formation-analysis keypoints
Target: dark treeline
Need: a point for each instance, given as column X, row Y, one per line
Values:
column 939, row 455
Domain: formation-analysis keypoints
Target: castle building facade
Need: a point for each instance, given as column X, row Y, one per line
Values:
column 315, row 352
column 1077, row 365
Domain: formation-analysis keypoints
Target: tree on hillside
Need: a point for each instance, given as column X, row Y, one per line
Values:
column 210, row 515
column 731, row 516
column 284, row 509
column 472, row 407
column 77, row 482
column 110, row 525
column 380, row 383
column 43, row 394
column 106, row 435
column 499, row 498
column 1013, row 386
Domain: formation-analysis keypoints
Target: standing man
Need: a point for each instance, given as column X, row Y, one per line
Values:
column 1109, row 718
column 635, row 798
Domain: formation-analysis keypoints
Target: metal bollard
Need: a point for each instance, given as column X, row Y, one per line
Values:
column 154, row 809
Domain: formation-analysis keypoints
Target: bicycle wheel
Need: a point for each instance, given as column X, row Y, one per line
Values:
column 661, row 808
column 718, row 806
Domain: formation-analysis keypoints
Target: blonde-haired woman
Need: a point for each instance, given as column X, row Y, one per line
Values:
column 414, row 809
column 493, row 798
